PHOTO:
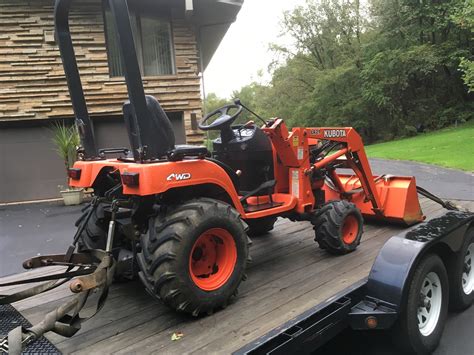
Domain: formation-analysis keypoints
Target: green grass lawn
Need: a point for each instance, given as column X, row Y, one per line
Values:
column 449, row 147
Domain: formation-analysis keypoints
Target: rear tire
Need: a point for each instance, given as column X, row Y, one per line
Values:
column 194, row 256
column 422, row 319
column 260, row 226
column 94, row 235
column 338, row 226
column 461, row 275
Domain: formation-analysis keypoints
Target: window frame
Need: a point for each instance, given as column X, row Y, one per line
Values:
column 133, row 11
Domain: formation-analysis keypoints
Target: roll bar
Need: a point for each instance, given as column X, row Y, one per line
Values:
column 136, row 92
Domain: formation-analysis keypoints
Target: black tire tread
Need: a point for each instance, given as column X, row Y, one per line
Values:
column 94, row 235
column 405, row 332
column 164, row 238
column 458, row 300
column 328, row 223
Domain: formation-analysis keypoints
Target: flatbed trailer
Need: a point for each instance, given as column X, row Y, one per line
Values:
column 296, row 298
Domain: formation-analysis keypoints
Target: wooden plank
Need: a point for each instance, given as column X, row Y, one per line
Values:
column 256, row 303
column 289, row 275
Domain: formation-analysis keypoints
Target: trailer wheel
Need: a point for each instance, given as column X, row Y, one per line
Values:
column 422, row 320
column 260, row 226
column 461, row 275
column 338, row 227
column 194, row 256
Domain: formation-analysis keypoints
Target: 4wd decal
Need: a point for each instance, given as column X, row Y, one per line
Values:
column 179, row 177
column 334, row 133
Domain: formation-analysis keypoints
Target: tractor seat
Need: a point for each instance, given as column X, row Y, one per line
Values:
column 179, row 152
column 155, row 132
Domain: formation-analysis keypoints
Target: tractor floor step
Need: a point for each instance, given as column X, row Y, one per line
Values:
column 261, row 207
column 10, row 318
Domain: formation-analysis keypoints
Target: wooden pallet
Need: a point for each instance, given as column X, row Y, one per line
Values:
column 289, row 275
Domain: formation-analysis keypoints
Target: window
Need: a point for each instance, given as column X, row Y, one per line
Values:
column 152, row 36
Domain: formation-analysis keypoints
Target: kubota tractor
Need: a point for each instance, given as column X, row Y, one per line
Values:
column 181, row 216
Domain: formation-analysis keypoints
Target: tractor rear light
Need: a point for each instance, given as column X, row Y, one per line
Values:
column 74, row 173
column 130, row 179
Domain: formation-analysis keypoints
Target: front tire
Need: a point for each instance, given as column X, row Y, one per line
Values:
column 422, row 320
column 194, row 256
column 338, row 226
column 461, row 275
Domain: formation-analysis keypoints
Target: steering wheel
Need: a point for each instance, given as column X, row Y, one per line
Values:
column 223, row 121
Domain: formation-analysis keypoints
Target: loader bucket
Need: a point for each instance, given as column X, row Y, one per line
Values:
column 398, row 198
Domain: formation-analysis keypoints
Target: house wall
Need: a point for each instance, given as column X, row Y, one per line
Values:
column 32, row 82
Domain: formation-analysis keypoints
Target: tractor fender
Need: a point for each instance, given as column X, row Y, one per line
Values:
column 397, row 260
column 160, row 177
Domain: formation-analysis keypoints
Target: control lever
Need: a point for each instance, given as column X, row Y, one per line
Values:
column 238, row 102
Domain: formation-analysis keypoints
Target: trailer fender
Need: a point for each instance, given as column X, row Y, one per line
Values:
column 393, row 267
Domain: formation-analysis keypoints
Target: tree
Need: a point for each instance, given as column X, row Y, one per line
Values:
column 387, row 70
column 464, row 17
column 213, row 102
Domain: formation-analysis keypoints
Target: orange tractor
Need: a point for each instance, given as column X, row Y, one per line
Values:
column 187, row 213
column 182, row 216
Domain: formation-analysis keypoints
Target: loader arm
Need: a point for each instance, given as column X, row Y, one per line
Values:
column 293, row 151
column 356, row 157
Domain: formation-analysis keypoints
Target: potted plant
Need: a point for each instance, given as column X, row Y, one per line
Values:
column 66, row 139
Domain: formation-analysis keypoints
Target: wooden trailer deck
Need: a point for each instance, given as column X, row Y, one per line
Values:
column 289, row 275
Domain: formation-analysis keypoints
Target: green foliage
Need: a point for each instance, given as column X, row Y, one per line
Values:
column 467, row 67
column 385, row 69
column 463, row 16
column 213, row 102
column 66, row 140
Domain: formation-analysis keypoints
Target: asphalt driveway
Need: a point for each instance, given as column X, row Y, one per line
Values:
column 36, row 229
column 445, row 183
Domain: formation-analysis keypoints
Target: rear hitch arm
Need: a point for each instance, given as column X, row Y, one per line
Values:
column 95, row 268
column 92, row 269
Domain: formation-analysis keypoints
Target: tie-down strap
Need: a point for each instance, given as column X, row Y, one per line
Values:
column 93, row 269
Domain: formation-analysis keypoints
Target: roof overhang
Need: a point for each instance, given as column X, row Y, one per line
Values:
column 212, row 19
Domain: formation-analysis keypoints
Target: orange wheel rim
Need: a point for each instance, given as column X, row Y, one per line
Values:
column 350, row 229
column 212, row 259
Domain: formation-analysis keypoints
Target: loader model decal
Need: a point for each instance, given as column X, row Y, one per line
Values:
column 334, row 133
column 179, row 177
